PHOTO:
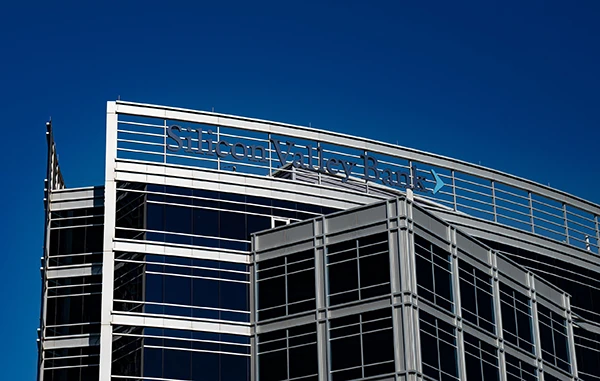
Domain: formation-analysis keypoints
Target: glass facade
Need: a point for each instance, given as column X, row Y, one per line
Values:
column 197, row 217
column 583, row 286
column 367, row 326
column 71, row 294
column 268, row 268
column 201, row 289
column 174, row 354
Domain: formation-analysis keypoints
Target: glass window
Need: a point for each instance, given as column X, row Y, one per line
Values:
column 286, row 285
column 232, row 225
column 288, row 354
column 581, row 283
column 358, row 269
column 72, row 315
column 362, row 345
column 180, row 354
column 587, row 350
column 516, row 318
column 476, row 295
column 193, row 288
column 554, row 338
column 127, row 355
column 438, row 348
column 518, row 370
column 481, row 359
column 181, row 212
column 434, row 273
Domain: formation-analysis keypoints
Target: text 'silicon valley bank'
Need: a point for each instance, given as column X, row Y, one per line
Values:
column 222, row 247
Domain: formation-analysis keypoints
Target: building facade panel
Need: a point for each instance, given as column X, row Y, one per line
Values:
column 476, row 341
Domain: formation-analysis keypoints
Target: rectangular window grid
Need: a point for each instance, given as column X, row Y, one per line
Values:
column 434, row 273
column 554, row 338
column 518, row 370
column 180, row 354
column 439, row 353
column 358, row 269
column 476, row 296
column 481, row 359
column 361, row 345
column 286, row 285
column 288, row 354
column 178, row 286
column 517, row 323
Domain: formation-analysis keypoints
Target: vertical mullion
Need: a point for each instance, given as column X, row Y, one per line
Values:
column 457, row 305
column 165, row 142
column 218, row 139
column 285, row 277
column 535, row 322
column 437, row 340
column 287, row 350
column 476, row 299
column 570, row 336
column 270, row 148
column 531, row 217
column 553, row 340
column 516, row 317
column 358, row 270
column 454, row 189
column 497, row 303
column 494, row 201
column 360, row 337
column 597, row 234
column 432, row 272
column 566, row 223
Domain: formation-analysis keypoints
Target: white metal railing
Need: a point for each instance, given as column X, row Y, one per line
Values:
column 475, row 190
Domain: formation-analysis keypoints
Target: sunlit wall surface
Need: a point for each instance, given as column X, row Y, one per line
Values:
column 401, row 293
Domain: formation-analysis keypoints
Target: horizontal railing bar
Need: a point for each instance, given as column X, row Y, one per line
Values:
column 513, row 211
column 140, row 142
column 548, row 205
column 142, row 133
column 496, row 189
column 141, row 124
column 562, row 226
column 473, row 200
column 467, row 190
column 477, row 209
column 527, row 223
column 550, row 231
column 581, row 217
column 456, row 178
column 138, row 151
column 526, row 206
column 589, row 234
column 557, row 216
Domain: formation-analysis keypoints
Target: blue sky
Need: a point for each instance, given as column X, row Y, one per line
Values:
column 512, row 85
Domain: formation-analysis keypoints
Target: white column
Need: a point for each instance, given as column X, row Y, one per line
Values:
column 108, row 253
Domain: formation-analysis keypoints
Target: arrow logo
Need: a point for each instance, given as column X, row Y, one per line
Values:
column 438, row 182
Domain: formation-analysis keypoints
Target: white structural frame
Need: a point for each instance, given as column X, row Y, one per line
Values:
column 117, row 169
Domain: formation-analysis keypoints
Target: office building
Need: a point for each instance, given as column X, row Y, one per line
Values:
column 228, row 248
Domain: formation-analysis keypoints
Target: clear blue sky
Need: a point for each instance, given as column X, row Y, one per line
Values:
column 513, row 85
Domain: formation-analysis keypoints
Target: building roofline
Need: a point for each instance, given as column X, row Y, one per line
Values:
column 421, row 156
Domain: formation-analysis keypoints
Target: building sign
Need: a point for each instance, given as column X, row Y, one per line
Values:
column 310, row 158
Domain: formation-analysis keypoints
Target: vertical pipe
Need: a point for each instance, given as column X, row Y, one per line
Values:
column 494, row 201
column 566, row 223
column 598, row 234
column 454, row 190
column 531, row 218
